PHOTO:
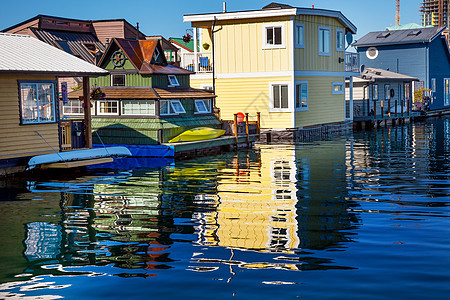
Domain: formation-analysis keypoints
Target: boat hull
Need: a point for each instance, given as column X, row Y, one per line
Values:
column 198, row 134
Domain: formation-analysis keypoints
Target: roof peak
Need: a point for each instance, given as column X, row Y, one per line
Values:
column 275, row 5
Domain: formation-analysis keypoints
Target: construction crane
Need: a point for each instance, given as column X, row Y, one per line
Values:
column 397, row 13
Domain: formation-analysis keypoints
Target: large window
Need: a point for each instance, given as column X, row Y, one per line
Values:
column 324, row 40
column 106, row 107
column 171, row 107
column 299, row 36
column 301, row 95
column 273, row 36
column 138, row 107
column 37, row 102
column 202, row 106
column 279, row 95
column 340, row 41
column 73, row 107
column 118, row 80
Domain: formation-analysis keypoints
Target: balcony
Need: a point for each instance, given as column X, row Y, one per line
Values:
column 351, row 62
column 200, row 63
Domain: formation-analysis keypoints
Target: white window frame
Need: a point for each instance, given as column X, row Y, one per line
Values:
column 264, row 33
column 433, row 85
column 375, row 87
column 207, row 87
column 173, row 110
column 302, row 108
column 271, row 107
column 99, row 113
column 298, row 44
column 70, row 105
column 204, row 109
column 334, row 84
column 342, row 42
column 124, row 79
column 123, row 113
column 387, row 94
column 173, row 80
column 324, row 53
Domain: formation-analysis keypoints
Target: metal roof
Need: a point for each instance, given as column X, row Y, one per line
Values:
column 395, row 37
column 25, row 54
column 76, row 41
column 138, row 92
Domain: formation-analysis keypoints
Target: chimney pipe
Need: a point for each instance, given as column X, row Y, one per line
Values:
column 224, row 7
column 137, row 31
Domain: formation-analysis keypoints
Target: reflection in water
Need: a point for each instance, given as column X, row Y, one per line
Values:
column 271, row 209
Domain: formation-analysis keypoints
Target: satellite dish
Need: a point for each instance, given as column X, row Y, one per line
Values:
column 349, row 38
column 362, row 68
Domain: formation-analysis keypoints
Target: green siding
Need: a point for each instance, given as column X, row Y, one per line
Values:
column 126, row 66
column 138, row 80
column 142, row 80
column 101, row 81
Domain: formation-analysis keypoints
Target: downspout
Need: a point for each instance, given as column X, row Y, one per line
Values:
column 213, row 57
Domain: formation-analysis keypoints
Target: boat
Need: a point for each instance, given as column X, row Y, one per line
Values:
column 198, row 134
column 78, row 158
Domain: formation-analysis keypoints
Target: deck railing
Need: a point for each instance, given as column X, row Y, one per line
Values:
column 202, row 63
column 351, row 62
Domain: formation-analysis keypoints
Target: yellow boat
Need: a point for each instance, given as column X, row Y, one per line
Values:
column 198, row 134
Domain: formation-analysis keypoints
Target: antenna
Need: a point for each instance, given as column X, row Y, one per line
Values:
column 397, row 13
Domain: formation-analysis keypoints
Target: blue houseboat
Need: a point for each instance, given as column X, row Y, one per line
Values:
column 420, row 52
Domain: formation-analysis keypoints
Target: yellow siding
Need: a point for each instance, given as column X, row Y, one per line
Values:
column 239, row 46
column 21, row 140
column 324, row 107
column 308, row 58
column 248, row 95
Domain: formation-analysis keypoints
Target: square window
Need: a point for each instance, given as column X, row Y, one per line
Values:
column 337, row 88
column 340, row 41
column 279, row 94
column 273, row 36
column 202, row 106
column 171, row 107
column 301, row 95
column 177, row 107
column 37, row 102
column 173, row 81
column 324, row 41
column 118, row 80
column 106, row 107
column 299, row 36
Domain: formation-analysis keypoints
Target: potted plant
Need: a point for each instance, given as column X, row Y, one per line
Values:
column 205, row 46
column 97, row 94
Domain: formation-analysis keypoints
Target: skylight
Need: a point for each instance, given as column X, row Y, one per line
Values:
column 383, row 35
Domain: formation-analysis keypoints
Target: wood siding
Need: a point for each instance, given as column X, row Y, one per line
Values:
column 308, row 58
column 21, row 140
column 24, row 28
column 324, row 107
column 108, row 30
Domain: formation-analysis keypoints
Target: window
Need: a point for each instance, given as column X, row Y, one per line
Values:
column 138, row 107
column 387, row 94
column 118, row 80
column 301, row 95
column 106, row 107
column 73, row 107
column 375, row 92
column 408, row 91
column 156, row 55
column 372, row 53
column 433, row 85
column 446, row 91
column 202, row 106
column 337, row 88
column 340, row 42
column 279, row 95
column 37, row 102
column 173, row 81
column 273, row 36
column 324, row 41
column 299, row 36
column 171, row 107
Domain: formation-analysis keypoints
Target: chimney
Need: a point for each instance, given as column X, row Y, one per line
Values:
column 224, row 7
column 137, row 31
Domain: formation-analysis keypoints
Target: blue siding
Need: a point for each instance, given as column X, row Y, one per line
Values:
column 404, row 59
column 439, row 69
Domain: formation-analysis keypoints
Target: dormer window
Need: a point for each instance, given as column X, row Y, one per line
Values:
column 156, row 55
column 173, row 81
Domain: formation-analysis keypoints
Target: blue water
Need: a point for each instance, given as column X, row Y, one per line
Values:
column 359, row 216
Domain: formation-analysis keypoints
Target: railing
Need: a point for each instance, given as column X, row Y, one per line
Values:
column 351, row 62
column 200, row 64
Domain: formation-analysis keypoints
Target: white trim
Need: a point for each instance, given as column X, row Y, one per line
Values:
column 271, row 108
column 337, row 40
column 107, row 114
column 304, row 82
column 341, row 92
column 202, row 101
column 271, row 74
column 322, row 74
column 124, row 79
column 371, row 56
column 292, row 62
column 264, row 37
column 206, row 86
column 174, row 79
column 324, row 28
column 296, row 44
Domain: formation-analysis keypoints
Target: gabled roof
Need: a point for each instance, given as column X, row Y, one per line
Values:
column 375, row 74
column 23, row 54
column 395, row 37
column 271, row 10
column 140, row 54
column 179, row 42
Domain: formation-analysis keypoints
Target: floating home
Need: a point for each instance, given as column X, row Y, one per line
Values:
column 286, row 62
column 146, row 102
column 29, row 119
column 422, row 53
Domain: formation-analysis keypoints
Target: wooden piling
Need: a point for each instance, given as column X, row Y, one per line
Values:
column 246, row 129
column 236, row 129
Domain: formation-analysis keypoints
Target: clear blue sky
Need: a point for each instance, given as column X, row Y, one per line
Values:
column 166, row 17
